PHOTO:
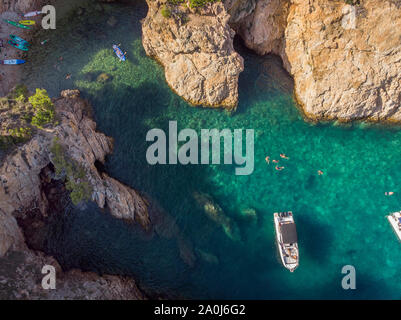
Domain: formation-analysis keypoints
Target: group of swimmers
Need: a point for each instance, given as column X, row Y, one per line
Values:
column 283, row 156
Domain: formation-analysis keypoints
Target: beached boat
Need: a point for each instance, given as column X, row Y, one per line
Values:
column 12, row 61
column 395, row 222
column 19, row 40
column 17, row 45
column 287, row 239
column 32, row 14
column 27, row 22
column 16, row 24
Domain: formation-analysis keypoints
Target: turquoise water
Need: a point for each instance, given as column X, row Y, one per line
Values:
column 340, row 215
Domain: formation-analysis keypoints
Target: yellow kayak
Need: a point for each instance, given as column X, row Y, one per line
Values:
column 27, row 22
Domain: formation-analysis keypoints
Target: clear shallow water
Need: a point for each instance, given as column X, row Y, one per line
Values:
column 340, row 216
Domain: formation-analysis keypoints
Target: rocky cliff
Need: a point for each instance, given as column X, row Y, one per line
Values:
column 22, row 192
column 196, row 50
column 345, row 59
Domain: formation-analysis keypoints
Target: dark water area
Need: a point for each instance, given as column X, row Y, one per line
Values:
column 340, row 216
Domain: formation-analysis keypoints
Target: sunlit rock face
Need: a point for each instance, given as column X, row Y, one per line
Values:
column 344, row 59
column 196, row 51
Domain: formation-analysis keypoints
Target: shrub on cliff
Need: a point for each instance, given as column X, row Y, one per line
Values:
column 165, row 11
column 76, row 180
column 43, row 108
column 200, row 3
column 193, row 3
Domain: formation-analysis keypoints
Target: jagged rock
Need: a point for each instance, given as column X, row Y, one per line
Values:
column 196, row 50
column 21, row 192
column 103, row 78
column 19, row 172
column 20, row 278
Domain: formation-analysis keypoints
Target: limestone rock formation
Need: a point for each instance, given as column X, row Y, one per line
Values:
column 196, row 50
column 21, row 192
column 345, row 59
column 21, row 277
column 19, row 172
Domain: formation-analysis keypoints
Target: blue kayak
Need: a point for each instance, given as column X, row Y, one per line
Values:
column 19, row 40
column 120, row 54
column 12, row 61
column 17, row 45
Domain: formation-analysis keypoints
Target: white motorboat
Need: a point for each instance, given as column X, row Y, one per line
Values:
column 287, row 239
column 395, row 221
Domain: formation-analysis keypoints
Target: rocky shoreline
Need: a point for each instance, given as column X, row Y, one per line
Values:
column 25, row 175
column 344, row 59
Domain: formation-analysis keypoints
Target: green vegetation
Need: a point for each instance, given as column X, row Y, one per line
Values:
column 43, row 107
column 76, row 180
column 15, row 118
column 193, row 3
column 20, row 134
column 200, row 3
column 166, row 12
column 19, row 94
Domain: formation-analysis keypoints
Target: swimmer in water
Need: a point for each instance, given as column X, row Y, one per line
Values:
column 279, row 168
column 319, row 172
column 282, row 155
column 68, row 76
column 275, row 161
column 267, row 159
column 390, row 193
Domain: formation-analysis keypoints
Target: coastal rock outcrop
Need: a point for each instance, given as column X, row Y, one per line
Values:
column 345, row 59
column 196, row 50
column 22, row 194
column 77, row 133
column 344, row 56
column 21, row 276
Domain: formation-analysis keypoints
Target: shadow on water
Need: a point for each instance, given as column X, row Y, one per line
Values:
column 315, row 238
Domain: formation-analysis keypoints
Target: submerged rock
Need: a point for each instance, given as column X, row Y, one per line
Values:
column 215, row 213
column 112, row 21
column 103, row 78
column 249, row 213
column 207, row 257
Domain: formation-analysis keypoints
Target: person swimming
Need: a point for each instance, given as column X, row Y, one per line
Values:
column 282, row 155
column 267, row 159
column 279, row 168
column 275, row 161
column 390, row 193
column 320, row 172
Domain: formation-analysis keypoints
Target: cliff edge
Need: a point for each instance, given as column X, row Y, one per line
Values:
column 344, row 56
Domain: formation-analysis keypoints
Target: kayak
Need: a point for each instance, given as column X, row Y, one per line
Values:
column 16, row 24
column 27, row 22
column 32, row 14
column 120, row 54
column 19, row 40
column 12, row 61
column 17, row 45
